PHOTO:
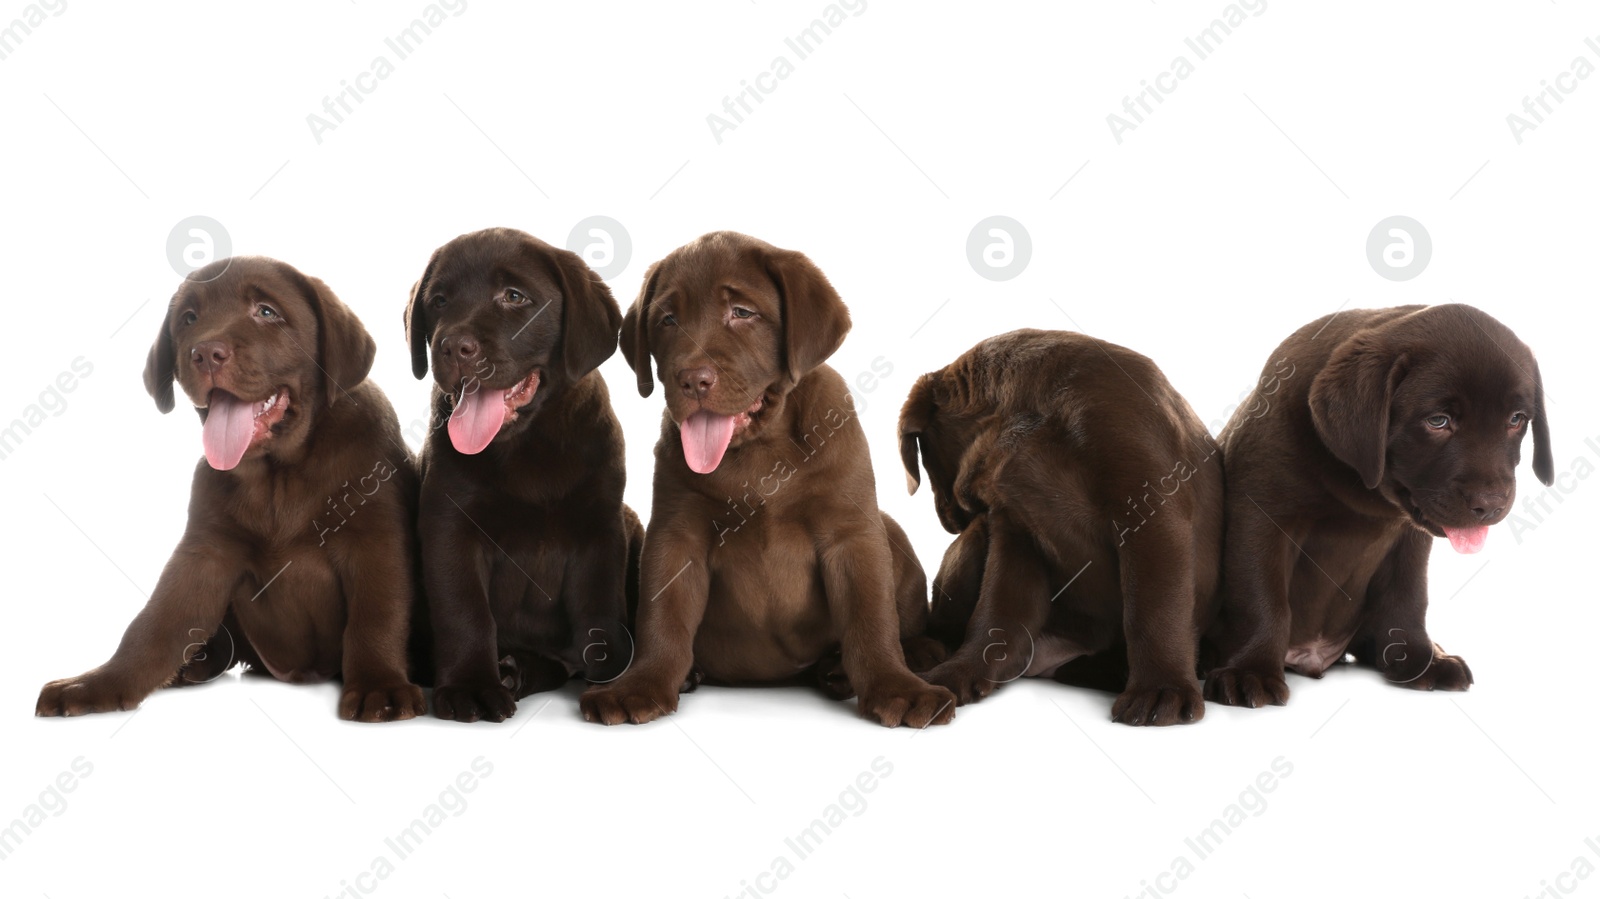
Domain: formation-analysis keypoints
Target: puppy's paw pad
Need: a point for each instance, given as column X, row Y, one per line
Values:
column 486, row 702
column 1246, row 687
column 1159, row 706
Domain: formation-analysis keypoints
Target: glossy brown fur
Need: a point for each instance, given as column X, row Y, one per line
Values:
column 1087, row 497
column 1337, row 487
column 299, row 561
column 529, row 554
column 777, row 564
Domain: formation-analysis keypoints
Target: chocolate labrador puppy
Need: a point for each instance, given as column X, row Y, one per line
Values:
column 526, row 545
column 1376, row 431
column 297, row 558
column 766, row 554
column 1088, row 500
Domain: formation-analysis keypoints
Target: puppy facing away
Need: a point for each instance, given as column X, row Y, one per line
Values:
column 1375, row 431
column 297, row 558
column 528, row 553
column 766, row 557
column 1087, row 497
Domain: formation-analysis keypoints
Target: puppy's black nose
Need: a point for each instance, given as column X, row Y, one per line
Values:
column 209, row 356
column 1487, row 505
column 460, row 346
column 697, row 382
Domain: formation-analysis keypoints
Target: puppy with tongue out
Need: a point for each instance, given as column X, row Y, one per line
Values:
column 528, row 552
column 766, row 559
column 297, row 557
column 1371, row 433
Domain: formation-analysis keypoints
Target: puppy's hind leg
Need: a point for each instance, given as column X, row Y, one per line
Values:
column 595, row 593
column 921, row 650
column 1157, row 574
column 210, row 658
column 634, row 529
column 1013, row 606
column 525, row 673
column 956, row 587
column 1395, row 638
column 829, row 676
column 1251, row 634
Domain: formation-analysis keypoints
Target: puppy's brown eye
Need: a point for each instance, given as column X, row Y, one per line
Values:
column 190, row 318
column 266, row 312
column 1517, row 418
column 1437, row 422
column 668, row 320
column 514, row 295
column 439, row 301
column 741, row 312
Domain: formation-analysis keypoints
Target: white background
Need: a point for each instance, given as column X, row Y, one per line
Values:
column 1238, row 211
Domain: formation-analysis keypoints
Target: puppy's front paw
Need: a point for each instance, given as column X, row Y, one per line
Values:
column 630, row 700
column 911, row 702
column 1246, row 687
column 467, row 702
column 1159, row 706
column 1445, row 672
column 92, row 691
column 392, row 701
column 965, row 679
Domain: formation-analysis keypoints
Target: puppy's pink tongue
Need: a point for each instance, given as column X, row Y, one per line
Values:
column 705, row 438
column 477, row 419
column 1467, row 540
column 230, row 423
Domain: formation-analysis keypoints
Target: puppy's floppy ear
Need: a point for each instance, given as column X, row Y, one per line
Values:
column 815, row 320
column 417, row 333
column 1350, row 400
column 162, row 364
column 915, row 416
column 635, row 339
column 1544, row 465
column 344, row 347
column 590, row 317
